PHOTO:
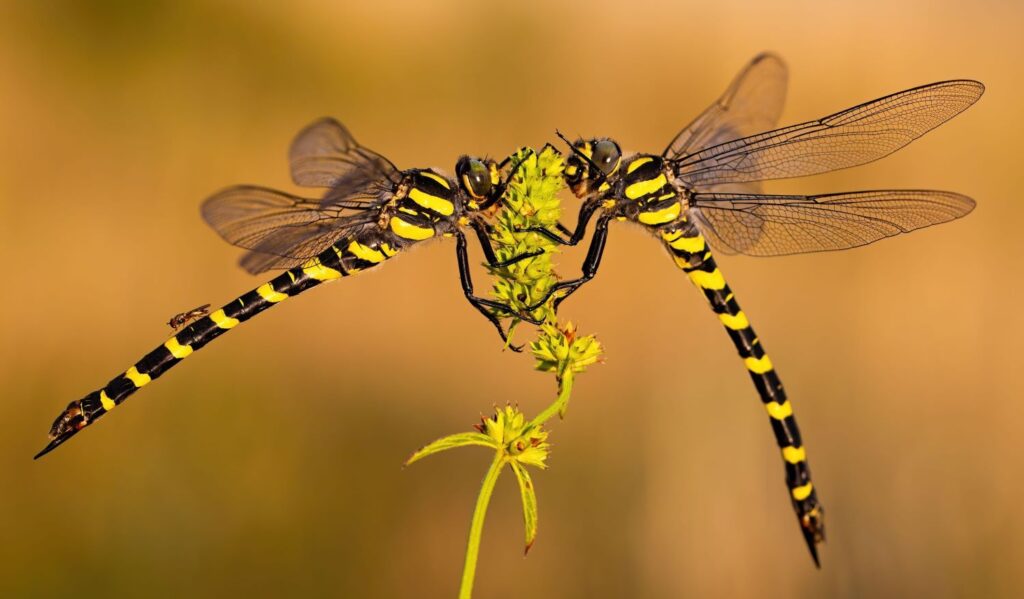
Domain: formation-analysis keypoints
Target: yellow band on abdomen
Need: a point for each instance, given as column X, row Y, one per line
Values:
column 314, row 269
column 222, row 320
column 267, row 292
column 736, row 323
column 660, row 217
column 708, row 280
column 108, row 404
column 137, row 378
column 178, row 350
column 779, row 411
column 365, row 252
column 690, row 245
column 758, row 365
column 794, row 455
column 801, row 493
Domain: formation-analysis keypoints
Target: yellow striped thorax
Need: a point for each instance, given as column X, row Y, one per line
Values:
column 424, row 199
column 432, row 193
column 646, row 184
column 428, row 204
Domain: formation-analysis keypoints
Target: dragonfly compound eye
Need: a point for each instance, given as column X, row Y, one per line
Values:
column 607, row 156
column 475, row 177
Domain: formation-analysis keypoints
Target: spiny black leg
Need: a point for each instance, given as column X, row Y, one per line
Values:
column 590, row 265
column 467, row 288
column 485, row 244
column 587, row 211
column 519, row 258
column 481, row 303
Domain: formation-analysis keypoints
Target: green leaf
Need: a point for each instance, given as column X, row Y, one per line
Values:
column 529, row 497
column 450, row 442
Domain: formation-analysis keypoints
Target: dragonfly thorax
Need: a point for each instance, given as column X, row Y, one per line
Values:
column 645, row 191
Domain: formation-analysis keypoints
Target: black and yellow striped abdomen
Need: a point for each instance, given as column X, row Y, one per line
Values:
column 690, row 251
column 345, row 258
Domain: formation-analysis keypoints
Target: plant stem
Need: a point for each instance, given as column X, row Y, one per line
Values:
column 558, row 407
column 476, row 529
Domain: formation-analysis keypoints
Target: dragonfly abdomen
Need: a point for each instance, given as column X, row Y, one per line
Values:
column 345, row 258
column 690, row 251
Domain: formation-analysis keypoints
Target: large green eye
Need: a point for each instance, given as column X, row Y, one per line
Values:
column 475, row 177
column 606, row 156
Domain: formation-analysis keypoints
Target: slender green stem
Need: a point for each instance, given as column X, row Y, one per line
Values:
column 476, row 529
column 564, row 391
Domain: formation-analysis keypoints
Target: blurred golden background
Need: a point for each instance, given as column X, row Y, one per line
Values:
column 269, row 465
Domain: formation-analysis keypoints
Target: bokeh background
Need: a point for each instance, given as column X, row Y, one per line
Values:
column 269, row 465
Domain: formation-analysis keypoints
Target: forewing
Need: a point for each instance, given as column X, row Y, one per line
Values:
column 752, row 104
column 279, row 229
column 325, row 154
column 849, row 138
column 776, row 225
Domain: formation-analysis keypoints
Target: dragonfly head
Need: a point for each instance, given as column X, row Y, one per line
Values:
column 479, row 178
column 591, row 164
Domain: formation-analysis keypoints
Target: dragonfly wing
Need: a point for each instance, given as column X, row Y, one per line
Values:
column 777, row 225
column 325, row 154
column 279, row 229
column 849, row 138
column 752, row 103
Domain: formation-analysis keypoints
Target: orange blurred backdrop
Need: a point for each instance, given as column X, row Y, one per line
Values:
column 269, row 465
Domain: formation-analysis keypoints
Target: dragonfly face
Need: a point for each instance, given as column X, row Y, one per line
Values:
column 479, row 179
column 592, row 164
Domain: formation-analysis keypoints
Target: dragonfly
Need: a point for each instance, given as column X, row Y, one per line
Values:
column 701, row 194
column 370, row 212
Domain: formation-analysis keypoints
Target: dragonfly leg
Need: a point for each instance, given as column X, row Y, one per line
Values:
column 590, row 265
column 571, row 237
column 485, row 244
column 480, row 303
column 691, row 254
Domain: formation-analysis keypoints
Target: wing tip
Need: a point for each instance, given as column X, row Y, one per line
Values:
column 768, row 56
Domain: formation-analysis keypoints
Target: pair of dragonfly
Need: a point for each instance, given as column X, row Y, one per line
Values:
column 700, row 193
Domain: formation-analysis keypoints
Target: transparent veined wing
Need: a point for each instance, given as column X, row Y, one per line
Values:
column 279, row 230
column 325, row 154
column 751, row 104
column 777, row 225
column 849, row 138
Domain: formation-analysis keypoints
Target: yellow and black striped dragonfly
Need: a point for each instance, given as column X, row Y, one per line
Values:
column 700, row 193
column 370, row 212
